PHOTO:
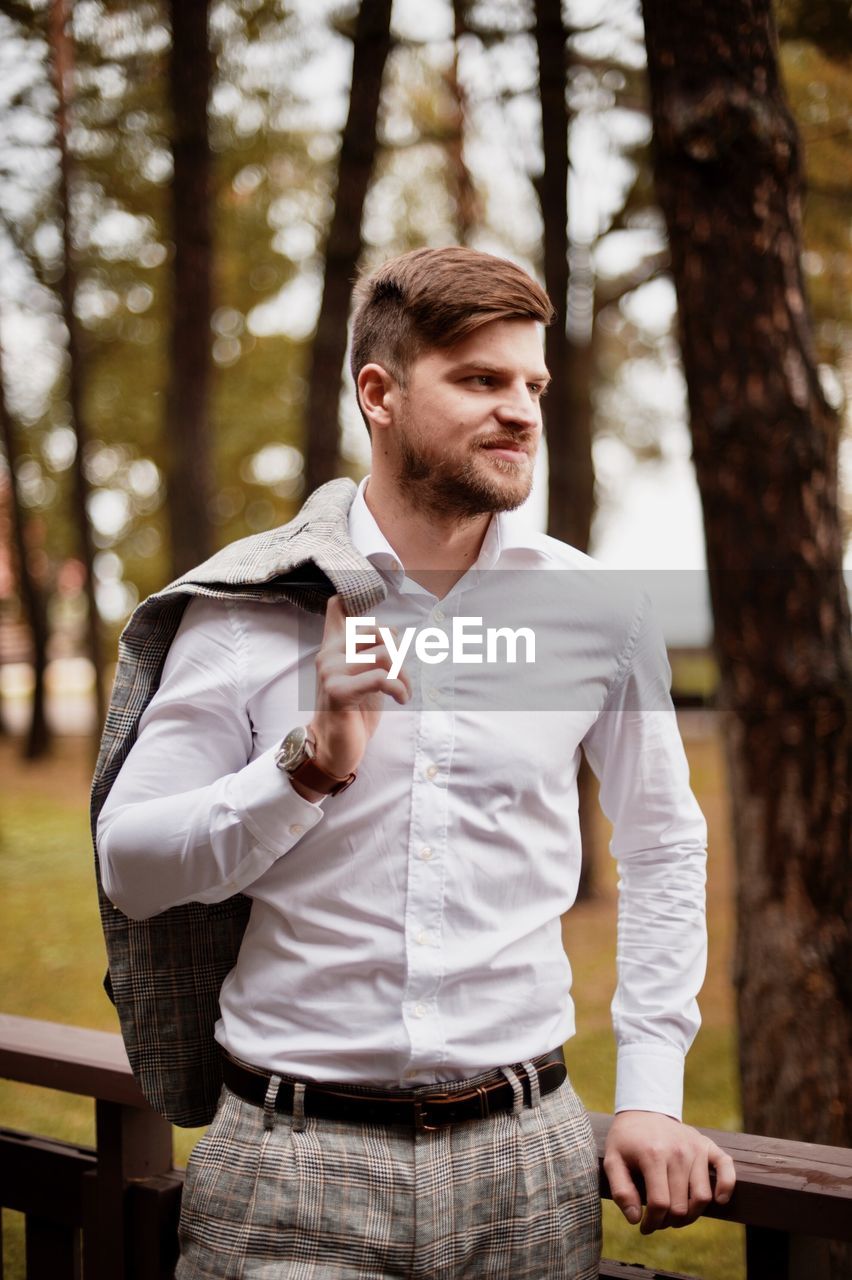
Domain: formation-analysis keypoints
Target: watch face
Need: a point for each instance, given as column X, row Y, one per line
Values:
column 292, row 751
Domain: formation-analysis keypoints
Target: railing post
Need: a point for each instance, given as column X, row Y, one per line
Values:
column 810, row 1258
column 132, row 1142
column 777, row 1255
column 767, row 1254
column 52, row 1250
column 153, row 1211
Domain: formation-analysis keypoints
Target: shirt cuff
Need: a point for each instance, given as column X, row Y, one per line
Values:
column 270, row 807
column 649, row 1077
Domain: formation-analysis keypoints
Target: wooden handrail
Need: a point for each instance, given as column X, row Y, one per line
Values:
column 782, row 1185
column 788, row 1193
column 77, row 1060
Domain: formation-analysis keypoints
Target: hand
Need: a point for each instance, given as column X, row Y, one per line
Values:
column 349, row 696
column 674, row 1160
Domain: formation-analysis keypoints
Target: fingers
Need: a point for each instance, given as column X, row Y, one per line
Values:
column 677, row 1184
column 345, row 689
column 666, row 1190
column 622, row 1187
column 335, row 620
column 341, row 654
column 726, row 1176
column 700, row 1191
column 345, row 683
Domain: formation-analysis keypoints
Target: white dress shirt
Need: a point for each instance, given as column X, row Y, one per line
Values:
column 408, row 930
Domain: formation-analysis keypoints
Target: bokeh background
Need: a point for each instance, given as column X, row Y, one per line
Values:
column 187, row 191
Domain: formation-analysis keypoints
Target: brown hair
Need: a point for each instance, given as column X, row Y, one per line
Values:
column 434, row 298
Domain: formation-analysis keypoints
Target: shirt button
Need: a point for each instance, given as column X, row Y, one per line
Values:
column 426, row 852
column 422, row 938
column 432, row 772
column 297, row 829
column 432, row 694
column 420, row 1011
column 439, row 615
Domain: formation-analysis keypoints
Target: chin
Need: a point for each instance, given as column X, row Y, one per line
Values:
column 510, row 486
column 507, row 496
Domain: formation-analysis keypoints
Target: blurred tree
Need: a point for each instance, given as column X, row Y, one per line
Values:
column 371, row 45
column 37, row 741
column 567, row 407
column 815, row 55
column 190, row 482
column 465, row 196
column 269, row 183
column 823, row 23
column 62, row 63
column 765, row 448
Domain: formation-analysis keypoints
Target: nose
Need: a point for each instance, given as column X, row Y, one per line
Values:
column 519, row 409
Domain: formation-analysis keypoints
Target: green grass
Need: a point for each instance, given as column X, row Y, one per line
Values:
column 52, row 964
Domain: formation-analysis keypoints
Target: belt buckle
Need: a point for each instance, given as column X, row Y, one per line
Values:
column 420, row 1121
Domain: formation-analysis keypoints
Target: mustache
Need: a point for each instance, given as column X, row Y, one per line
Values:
column 522, row 443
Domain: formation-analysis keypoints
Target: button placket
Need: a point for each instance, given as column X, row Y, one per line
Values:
column 425, row 888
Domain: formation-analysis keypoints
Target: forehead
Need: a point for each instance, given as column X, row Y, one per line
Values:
column 513, row 344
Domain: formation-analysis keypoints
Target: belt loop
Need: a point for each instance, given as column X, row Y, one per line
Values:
column 517, row 1090
column 269, row 1102
column 299, row 1122
column 535, row 1088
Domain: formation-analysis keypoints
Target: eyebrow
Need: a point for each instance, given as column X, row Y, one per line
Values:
column 483, row 366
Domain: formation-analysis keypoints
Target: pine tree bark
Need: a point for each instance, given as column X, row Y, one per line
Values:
column 62, row 61
column 567, row 409
column 372, row 42
column 187, row 423
column 569, row 445
column 33, row 598
column 765, row 448
column 462, row 187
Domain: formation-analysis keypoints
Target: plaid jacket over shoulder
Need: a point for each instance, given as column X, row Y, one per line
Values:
column 165, row 973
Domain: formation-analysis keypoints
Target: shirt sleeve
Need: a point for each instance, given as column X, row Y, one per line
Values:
column 659, row 841
column 191, row 817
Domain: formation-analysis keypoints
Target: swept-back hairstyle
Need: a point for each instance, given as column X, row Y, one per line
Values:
column 433, row 298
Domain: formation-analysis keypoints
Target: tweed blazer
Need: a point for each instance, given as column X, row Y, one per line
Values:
column 165, row 973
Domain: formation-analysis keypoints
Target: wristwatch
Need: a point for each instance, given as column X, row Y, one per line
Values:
column 296, row 755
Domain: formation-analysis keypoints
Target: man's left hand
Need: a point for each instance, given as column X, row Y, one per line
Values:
column 674, row 1161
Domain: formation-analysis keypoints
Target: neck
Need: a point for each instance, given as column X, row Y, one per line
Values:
column 436, row 550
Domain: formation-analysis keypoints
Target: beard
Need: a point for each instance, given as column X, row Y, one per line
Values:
column 466, row 487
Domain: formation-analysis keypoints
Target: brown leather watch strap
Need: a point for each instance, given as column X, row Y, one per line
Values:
column 310, row 775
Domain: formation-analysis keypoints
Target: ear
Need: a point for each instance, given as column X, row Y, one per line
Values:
column 376, row 390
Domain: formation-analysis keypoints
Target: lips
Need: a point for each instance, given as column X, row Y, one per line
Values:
column 506, row 446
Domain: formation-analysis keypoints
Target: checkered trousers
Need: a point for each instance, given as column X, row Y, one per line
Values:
column 513, row 1197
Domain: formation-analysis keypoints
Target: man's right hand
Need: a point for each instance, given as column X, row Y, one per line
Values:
column 348, row 699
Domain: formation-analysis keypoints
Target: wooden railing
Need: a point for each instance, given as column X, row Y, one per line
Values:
column 110, row 1213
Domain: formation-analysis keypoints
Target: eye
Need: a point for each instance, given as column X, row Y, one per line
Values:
column 483, row 379
column 537, row 389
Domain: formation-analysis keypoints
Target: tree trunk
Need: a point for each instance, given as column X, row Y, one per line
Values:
column 462, row 186
column 372, row 43
column 765, row 447
column 567, row 409
column 62, row 59
column 569, row 448
column 32, row 596
column 187, row 403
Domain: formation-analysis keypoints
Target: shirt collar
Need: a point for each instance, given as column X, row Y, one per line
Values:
column 367, row 537
column 509, row 536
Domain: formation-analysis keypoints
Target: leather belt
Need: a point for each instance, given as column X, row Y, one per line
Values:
column 425, row 1109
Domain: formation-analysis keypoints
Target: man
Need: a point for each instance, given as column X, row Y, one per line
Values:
column 407, row 833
